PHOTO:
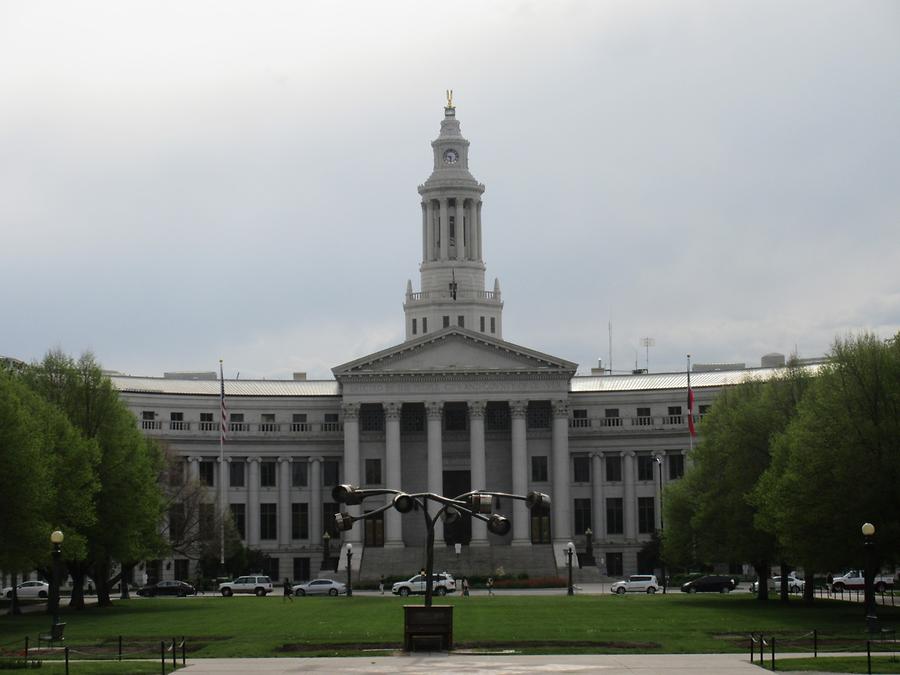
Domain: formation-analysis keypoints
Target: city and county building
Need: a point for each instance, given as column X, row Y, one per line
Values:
column 455, row 407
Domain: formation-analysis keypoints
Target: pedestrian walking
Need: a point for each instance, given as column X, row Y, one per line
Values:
column 288, row 593
column 381, row 584
column 465, row 587
column 490, row 585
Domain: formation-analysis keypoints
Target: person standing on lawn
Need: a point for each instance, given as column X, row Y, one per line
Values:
column 490, row 585
column 288, row 593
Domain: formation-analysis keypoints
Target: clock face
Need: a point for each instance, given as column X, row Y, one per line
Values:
column 451, row 156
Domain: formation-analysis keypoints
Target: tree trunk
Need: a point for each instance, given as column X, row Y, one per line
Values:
column 77, row 570
column 762, row 574
column 14, row 603
column 101, row 578
column 784, row 582
column 124, row 575
column 809, row 589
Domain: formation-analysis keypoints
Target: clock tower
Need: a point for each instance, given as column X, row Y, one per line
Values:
column 452, row 269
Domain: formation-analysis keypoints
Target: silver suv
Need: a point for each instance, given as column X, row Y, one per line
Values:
column 636, row 583
column 442, row 584
column 256, row 584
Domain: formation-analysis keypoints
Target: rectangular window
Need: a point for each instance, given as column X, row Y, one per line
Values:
column 539, row 469
column 373, row 472
column 613, row 468
column 704, row 409
column 646, row 515
column 611, row 413
column 300, row 520
column 481, row 323
column 207, row 521
column 456, row 417
column 611, row 418
column 236, row 473
column 236, row 422
column 301, row 569
column 582, row 469
column 267, row 473
column 614, row 516
column 182, row 569
column 674, row 410
column 331, row 474
column 239, row 517
column 268, row 521
column 446, row 322
column 424, row 324
column 207, row 422
column 580, row 419
column 413, row 326
column 330, row 422
column 208, row 472
column 645, row 467
column 412, row 418
column 539, row 414
column 299, row 422
column 371, row 417
column 493, row 325
column 643, row 418
column 177, row 522
column 496, row 416
column 299, row 473
column 676, row 467
column 267, row 422
column 614, row 564
column 461, row 321
column 148, row 415
column 176, row 421
column 582, row 515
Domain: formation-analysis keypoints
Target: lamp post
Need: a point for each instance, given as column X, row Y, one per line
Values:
column 326, row 550
column 570, row 551
column 349, row 559
column 662, row 563
column 56, row 538
column 868, row 530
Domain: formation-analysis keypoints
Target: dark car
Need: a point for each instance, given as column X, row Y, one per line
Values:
column 711, row 583
column 177, row 588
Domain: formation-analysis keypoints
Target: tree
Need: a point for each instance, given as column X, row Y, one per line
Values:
column 837, row 465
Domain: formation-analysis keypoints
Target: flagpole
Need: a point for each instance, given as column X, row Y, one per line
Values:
column 222, row 493
column 690, row 400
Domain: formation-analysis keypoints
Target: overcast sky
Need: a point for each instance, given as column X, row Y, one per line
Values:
column 187, row 181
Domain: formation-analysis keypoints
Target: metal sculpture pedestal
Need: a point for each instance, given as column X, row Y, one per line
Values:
column 427, row 628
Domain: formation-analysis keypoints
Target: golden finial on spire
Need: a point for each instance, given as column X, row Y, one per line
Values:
column 449, row 98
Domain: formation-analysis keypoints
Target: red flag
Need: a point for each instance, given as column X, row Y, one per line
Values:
column 223, row 436
column 690, row 404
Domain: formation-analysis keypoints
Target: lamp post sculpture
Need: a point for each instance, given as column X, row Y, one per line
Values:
column 570, row 551
column 868, row 530
column 476, row 503
column 56, row 538
column 349, row 567
column 326, row 550
column 662, row 563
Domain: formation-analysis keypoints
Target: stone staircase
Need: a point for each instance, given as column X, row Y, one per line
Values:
column 536, row 561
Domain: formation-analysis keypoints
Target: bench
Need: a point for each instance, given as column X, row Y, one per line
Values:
column 55, row 634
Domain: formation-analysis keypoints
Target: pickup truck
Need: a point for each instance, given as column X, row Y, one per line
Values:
column 854, row 579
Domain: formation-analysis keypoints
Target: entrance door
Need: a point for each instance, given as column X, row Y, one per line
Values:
column 457, row 483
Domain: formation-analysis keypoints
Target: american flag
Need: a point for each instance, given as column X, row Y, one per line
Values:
column 690, row 401
column 223, row 436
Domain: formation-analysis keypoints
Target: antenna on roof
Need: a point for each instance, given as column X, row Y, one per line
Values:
column 610, row 346
column 647, row 342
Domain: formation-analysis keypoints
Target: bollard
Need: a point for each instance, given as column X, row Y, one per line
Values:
column 174, row 656
column 183, row 659
column 162, row 656
column 26, row 647
column 752, row 650
column 120, row 648
column 67, row 661
column 773, row 654
column 815, row 643
column 869, row 656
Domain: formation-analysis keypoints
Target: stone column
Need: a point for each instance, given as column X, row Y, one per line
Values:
column 659, row 474
column 460, row 229
column 284, row 501
column 316, row 530
column 445, row 230
column 628, row 502
column 425, row 238
column 351, row 463
column 253, row 502
column 477, row 465
column 193, row 464
column 477, row 223
column 393, row 521
column 562, row 503
column 434, row 410
column 597, row 502
column 518, row 411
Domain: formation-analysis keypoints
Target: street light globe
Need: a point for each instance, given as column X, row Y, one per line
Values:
column 570, row 547
column 349, row 548
column 868, row 529
column 56, row 537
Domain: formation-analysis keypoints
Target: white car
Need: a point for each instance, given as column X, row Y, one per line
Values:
column 256, row 584
column 320, row 587
column 795, row 585
column 636, row 583
column 28, row 589
column 442, row 584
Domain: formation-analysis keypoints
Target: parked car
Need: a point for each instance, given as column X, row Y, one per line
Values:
column 795, row 585
column 442, row 583
column 256, row 584
column 28, row 589
column 636, row 583
column 854, row 580
column 711, row 583
column 320, row 587
column 177, row 588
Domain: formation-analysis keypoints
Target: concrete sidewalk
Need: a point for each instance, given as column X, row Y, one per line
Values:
column 438, row 664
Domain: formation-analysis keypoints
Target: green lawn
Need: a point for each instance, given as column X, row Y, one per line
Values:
column 249, row 626
column 841, row 664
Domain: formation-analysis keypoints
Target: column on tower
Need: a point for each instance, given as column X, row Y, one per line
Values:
column 477, row 465
column 316, row 529
column 351, row 460
column 393, row 522
column 628, row 496
column 476, row 219
column 253, row 502
column 460, row 229
column 562, row 523
column 434, row 412
column 284, row 501
column 445, row 230
column 519, row 414
column 425, row 238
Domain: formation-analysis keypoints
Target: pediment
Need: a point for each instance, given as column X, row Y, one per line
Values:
column 457, row 351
